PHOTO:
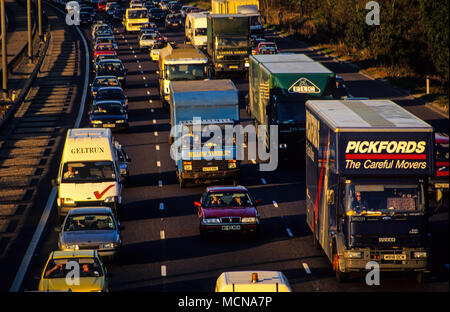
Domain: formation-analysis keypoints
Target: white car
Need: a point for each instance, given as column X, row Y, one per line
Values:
column 147, row 39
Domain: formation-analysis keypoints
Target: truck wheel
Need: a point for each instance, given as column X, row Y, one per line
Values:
column 340, row 276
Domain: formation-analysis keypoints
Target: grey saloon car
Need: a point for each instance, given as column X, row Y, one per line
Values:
column 91, row 228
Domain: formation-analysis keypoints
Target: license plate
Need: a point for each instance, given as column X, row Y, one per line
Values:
column 233, row 67
column 394, row 257
column 210, row 168
column 109, row 125
column 441, row 185
column 231, row 227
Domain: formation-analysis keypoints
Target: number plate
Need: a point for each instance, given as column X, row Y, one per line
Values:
column 233, row 67
column 441, row 185
column 231, row 227
column 210, row 168
column 394, row 257
column 109, row 125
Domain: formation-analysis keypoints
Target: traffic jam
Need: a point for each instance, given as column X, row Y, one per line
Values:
column 145, row 192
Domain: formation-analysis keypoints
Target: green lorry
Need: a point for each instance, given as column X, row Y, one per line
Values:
column 279, row 86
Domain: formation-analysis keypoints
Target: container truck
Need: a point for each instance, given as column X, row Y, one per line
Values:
column 228, row 44
column 213, row 102
column 367, row 169
column 279, row 86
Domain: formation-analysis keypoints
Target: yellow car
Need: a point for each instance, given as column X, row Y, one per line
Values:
column 74, row 270
column 252, row 281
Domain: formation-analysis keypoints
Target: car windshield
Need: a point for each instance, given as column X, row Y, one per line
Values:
column 149, row 36
column 88, row 172
column 108, row 109
column 138, row 13
column 91, row 222
column 157, row 11
column 235, row 42
column 105, row 82
column 110, row 94
column 213, row 141
column 186, row 72
column 228, row 199
column 110, row 66
column 366, row 197
column 200, row 31
column 290, row 112
column 255, row 20
column 61, row 268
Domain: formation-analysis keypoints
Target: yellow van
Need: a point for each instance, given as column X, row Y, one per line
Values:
column 252, row 281
column 89, row 172
column 134, row 19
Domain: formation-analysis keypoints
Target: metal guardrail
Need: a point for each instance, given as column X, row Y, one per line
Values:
column 24, row 91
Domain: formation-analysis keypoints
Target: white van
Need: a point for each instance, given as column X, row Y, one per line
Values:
column 89, row 172
column 195, row 29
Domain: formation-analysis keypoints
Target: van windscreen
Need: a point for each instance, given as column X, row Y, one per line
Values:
column 88, row 172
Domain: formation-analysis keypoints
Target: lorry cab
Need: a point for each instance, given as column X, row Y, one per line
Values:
column 367, row 169
column 89, row 172
column 252, row 281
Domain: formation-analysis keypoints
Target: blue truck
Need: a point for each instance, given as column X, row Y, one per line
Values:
column 204, row 158
column 367, row 169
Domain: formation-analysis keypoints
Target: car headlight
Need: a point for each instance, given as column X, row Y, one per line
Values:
column 352, row 254
column 282, row 146
column 111, row 199
column 420, row 254
column 67, row 201
column 231, row 165
column 187, row 167
column 120, row 121
column 70, row 247
column 249, row 220
column 246, row 64
column 97, row 122
column 211, row 220
column 109, row 245
column 219, row 57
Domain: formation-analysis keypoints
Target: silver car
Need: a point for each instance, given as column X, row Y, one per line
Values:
column 124, row 159
column 91, row 228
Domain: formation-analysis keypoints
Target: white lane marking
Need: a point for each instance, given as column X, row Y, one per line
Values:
column 146, row 85
column 142, row 72
column 288, row 230
column 148, row 92
column 52, row 197
column 154, row 121
column 34, row 242
column 144, row 77
column 163, row 270
column 155, row 133
column 263, row 181
column 152, row 110
column 137, row 61
column 275, row 204
column 305, row 266
column 157, row 147
column 140, row 66
column 161, row 206
column 126, row 40
column 162, row 235
column 158, row 164
column 150, row 101
column 135, row 56
column 253, row 161
column 160, row 183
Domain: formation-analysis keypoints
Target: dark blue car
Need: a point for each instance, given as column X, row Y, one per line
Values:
column 103, row 81
column 108, row 114
column 111, row 94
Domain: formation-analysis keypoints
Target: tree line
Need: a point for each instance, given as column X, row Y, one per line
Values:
column 411, row 33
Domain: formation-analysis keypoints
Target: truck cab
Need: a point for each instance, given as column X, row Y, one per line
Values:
column 367, row 169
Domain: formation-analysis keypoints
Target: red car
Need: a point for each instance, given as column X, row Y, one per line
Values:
column 227, row 209
column 101, row 5
column 266, row 48
column 103, row 48
column 441, row 180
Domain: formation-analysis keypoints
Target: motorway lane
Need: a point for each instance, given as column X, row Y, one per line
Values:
column 162, row 249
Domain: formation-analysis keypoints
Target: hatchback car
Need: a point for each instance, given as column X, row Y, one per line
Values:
column 227, row 209
column 112, row 67
column 107, row 39
column 93, row 275
column 111, row 94
column 266, row 48
column 173, row 21
column 103, row 47
column 112, row 55
column 156, row 15
column 108, row 114
column 93, row 228
column 103, row 81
